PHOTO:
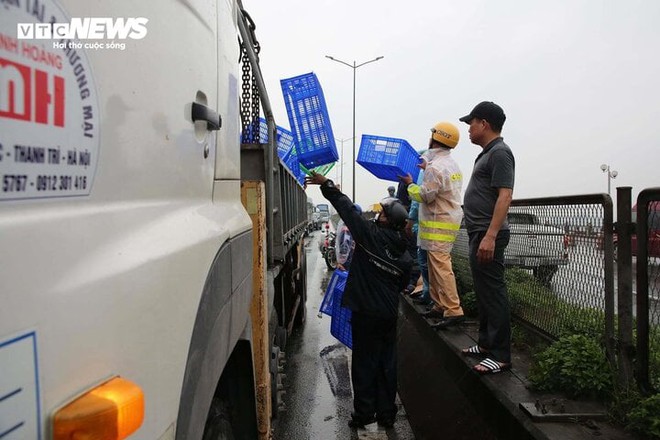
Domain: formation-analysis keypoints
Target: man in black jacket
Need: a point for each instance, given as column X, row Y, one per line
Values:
column 380, row 269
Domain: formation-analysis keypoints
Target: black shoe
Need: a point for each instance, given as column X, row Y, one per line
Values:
column 433, row 313
column 448, row 322
column 422, row 302
column 416, row 295
column 355, row 424
column 358, row 423
column 386, row 423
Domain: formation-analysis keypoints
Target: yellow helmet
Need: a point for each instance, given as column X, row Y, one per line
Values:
column 446, row 133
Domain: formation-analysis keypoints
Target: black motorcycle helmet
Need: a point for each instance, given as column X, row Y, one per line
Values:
column 395, row 212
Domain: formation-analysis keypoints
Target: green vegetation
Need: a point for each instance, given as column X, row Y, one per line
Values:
column 575, row 364
column 644, row 418
column 464, row 285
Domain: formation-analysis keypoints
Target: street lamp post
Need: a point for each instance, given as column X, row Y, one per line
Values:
column 610, row 175
column 354, row 66
column 341, row 163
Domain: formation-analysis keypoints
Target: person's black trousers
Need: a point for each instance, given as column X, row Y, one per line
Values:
column 492, row 298
column 374, row 368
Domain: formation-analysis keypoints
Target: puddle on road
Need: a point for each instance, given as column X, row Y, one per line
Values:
column 336, row 366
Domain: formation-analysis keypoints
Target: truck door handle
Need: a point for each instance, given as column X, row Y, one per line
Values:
column 200, row 112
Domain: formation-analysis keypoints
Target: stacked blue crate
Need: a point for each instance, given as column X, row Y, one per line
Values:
column 291, row 161
column 387, row 158
column 337, row 283
column 340, row 325
column 309, row 120
column 284, row 138
column 285, row 148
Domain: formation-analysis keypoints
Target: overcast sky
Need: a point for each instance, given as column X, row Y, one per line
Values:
column 578, row 81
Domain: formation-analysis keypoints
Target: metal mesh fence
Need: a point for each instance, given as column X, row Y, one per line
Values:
column 561, row 274
column 654, row 316
column 556, row 265
column 646, row 247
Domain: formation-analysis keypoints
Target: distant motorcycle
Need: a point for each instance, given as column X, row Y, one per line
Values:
column 327, row 248
column 330, row 253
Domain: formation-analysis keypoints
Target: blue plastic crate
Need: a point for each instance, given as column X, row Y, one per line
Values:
column 337, row 283
column 291, row 161
column 285, row 142
column 253, row 130
column 340, row 326
column 309, row 120
column 387, row 158
column 284, row 138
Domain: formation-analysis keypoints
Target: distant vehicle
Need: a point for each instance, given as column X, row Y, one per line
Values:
column 653, row 232
column 327, row 248
column 324, row 212
column 535, row 246
column 312, row 217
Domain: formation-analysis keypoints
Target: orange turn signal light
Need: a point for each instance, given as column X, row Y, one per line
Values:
column 111, row 411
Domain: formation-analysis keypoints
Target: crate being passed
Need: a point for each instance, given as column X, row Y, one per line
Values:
column 309, row 120
column 387, row 158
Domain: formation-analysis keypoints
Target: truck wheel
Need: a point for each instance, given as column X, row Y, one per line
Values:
column 280, row 337
column 301, row 290
column 544, row 274
column 277, row 361
column 218, row 424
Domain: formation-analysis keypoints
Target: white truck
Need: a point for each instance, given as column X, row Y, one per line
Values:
column 533, row 245
column 151, row 263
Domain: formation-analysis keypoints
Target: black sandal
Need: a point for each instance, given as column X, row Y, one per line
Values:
column 491, row 367
column 474, row 351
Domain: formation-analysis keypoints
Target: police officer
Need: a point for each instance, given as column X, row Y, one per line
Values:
column 380, row 269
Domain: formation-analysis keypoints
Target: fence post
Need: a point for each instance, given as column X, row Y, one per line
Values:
column 624, row 285
column 608, row 248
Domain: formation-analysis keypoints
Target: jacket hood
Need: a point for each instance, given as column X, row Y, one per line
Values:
column 432, row 153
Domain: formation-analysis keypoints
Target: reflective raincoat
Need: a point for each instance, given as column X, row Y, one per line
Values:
column 439, row 198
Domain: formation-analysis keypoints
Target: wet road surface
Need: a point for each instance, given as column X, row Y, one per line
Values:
column 318, row 386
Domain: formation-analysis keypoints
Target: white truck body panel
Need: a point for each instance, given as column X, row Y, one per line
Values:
column 109, row 282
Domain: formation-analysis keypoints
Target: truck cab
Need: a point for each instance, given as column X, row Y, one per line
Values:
column 128, row 222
